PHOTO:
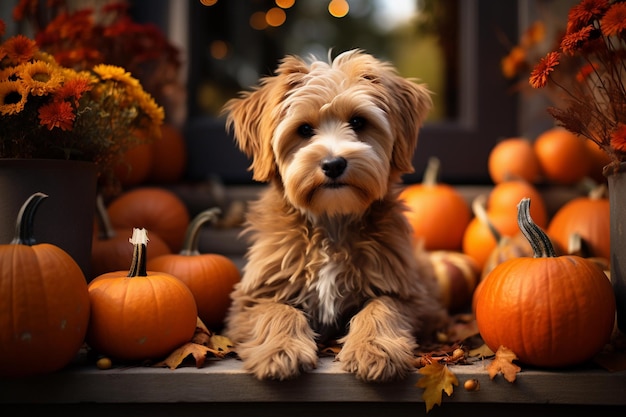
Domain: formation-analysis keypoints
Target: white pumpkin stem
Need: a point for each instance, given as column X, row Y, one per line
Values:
column 190, row 244
column 431, row 174
column 139, row 240
column 538, row 239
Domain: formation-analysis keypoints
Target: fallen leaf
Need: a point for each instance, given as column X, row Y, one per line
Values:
column 437, row 378
column 503, row 363
column 482, row 351
column 221, row 344
column 176, row 358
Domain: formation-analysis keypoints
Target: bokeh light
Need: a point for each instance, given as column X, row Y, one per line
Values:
column 285, row 4
column 218, row 49
column 275, row 16
column 208, row 2
column 338, row 8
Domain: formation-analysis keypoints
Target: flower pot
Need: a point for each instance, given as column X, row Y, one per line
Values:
column 66, row 217
column 617, row 201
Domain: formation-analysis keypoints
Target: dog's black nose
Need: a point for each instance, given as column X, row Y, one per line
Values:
column 334, row 167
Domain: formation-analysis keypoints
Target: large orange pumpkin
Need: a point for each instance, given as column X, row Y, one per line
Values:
column 139, row 314
column 438, row 213
column 44, row 308
column 551, row 311
column 154, row 208
column 210, row 276
column 589, row 216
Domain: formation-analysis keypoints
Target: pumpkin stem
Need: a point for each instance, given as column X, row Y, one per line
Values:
column 478, row 207
column 598, row 192
column 538, row 239
column 26, row 220
column 140, row 243
column 192, row 235
column 106, row 230
column 431, row 174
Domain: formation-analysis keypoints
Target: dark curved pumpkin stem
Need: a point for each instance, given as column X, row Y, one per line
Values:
column 105, row 228
column 140, row 244
column 24, row 226
column 190, row 244
column 538, row 239
column 431, row 174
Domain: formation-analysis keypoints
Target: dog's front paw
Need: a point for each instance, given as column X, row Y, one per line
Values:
column 284, row 360
column 274, row 341
column 376, row 360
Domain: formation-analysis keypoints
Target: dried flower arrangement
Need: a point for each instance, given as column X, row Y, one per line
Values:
column 595, row 98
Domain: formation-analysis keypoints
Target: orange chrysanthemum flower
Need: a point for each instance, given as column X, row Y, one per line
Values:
column 541, row 72
column 74, row 89
column 19, row 49
column 614, row 21
column 583, row 13
column 618, row 138
column 575, row 40
column 57, row 114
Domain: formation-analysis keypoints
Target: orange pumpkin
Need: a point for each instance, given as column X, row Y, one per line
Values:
column 506, row 195
column 482, row 234
column 154, row 208
column 169, row 158
column 563, row 156
column 589, row 216
column 110, row 250
column 44, row 311
column 551, row 311
column 513, row 158
column 210, row 276
column 135, row 166
column 434, row 206
column 139, row 314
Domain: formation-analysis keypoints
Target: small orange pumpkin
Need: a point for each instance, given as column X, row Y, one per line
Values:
column 110, row 250
column 551, row 311
column 140, row 314
column 154, row 208
column 210, row 276
column 563, row 156
column 433, row 206
column 589, row 216
column 45, row 308
column 513, row 158
column 506, row 195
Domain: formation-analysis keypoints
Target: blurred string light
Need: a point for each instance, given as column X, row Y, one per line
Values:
column 338, row 8
column 208, row 2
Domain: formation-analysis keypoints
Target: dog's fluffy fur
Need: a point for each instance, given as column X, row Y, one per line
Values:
column 331, row 255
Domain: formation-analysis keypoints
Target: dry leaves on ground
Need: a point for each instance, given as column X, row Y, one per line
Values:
column 437, row 378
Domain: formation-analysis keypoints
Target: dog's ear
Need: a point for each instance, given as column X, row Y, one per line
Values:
column 254, row 115
column 410, row 105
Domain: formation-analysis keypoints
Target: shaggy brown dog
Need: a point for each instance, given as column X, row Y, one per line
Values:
column 331, row 255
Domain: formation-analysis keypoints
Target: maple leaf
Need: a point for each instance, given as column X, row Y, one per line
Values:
column 482, row 351
column 437, row 378
column 503, row 363
column 199, row 353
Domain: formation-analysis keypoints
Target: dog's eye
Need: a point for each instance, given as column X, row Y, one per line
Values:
column 357, row 123
column 305, row 130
